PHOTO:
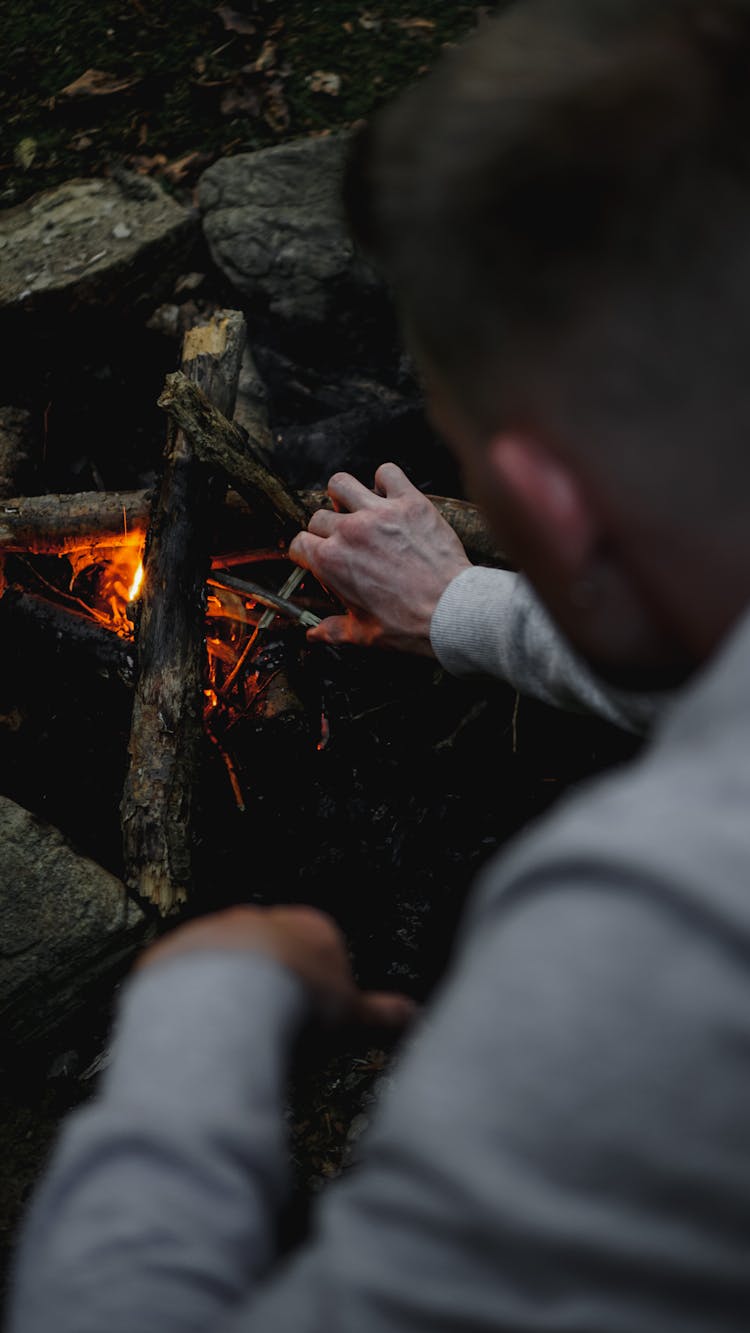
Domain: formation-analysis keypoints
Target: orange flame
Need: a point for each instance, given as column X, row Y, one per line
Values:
column 135, row 586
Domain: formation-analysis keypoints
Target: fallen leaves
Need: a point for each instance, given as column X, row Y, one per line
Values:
column 267, row 58
column 175, row 172
column 24, row 153
column 239, row 101
column 235, row 22
column 415, row 25
column 275, row 109
column 97, row 83
column 324, row 81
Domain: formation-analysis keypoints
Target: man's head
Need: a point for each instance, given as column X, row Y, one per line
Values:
column 563, row 211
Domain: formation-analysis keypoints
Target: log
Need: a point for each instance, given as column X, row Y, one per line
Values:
column 167, row 726
column 221, row 444
column 61, row 524
column 53, row 629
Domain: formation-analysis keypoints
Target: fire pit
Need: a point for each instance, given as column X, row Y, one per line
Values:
column 186, row 739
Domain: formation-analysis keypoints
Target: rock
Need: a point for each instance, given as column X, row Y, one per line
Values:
column 67, row 926
column 274, row 223
column 251, row 407
column 93, row 242
column 15, row 448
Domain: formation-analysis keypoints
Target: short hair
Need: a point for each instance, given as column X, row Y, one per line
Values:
column 562, row 208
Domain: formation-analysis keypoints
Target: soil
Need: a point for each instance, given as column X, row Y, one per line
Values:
column 381, row 796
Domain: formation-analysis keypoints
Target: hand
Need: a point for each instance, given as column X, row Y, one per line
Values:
column 387, row 554
column 306, row 941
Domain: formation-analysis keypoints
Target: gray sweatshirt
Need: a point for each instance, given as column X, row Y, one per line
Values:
column 566, row 1143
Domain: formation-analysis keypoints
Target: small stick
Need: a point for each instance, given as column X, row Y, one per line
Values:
column 270, row 599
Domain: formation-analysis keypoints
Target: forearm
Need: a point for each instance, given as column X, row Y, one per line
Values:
column 158, row 1210
column 489, row 622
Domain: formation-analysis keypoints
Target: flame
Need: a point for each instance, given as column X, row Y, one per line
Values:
column 135, row 586
column 107, row 578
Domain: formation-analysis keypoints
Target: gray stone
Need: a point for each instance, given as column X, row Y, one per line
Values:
column 275, row 225
column 15, row 449
column 92, row 242
column 66, row 926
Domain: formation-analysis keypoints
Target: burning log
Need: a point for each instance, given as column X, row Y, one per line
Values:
column 64, row 524
column 60, row 524
column 50, row 627
column 167, row 715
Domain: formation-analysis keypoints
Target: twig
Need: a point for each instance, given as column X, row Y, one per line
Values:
column 278, row 604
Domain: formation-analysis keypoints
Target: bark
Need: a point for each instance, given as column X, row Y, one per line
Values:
column 221, row 444
column 53, row 629
column 59, row 524
column 167, row 725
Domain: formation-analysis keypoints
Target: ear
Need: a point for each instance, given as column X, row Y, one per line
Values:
column 555, row 525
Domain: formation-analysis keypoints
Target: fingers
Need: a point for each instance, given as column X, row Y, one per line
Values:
column 337, row 629
column 348, row 493
column 385, row 1009
column 390, row 481
column 324, row 522
column 304, row 550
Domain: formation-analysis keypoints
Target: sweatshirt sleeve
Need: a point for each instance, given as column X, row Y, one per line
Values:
column 553, row 1151
column 157, row 1212
column 489, row 622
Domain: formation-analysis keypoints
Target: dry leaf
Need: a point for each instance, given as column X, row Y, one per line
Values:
column 275, row 109
column 267, row 58
column 24, row 153
column 234, row 21
column 370, row 22
column 322, row 81
column 175, row 171
column 415, row 25
column 147, row 165
column 80, row 142
column 348, row 27
column 97, row 83
column 240, row 102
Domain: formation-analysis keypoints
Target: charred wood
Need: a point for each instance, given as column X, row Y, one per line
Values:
column 167, row 725
column 52, row 629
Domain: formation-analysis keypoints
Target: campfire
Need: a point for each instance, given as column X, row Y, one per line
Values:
column 174, row 590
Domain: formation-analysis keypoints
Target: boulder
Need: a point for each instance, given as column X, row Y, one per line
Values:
column 114, row 242
column 66, row 926
column 15, row 449
column 275, row 226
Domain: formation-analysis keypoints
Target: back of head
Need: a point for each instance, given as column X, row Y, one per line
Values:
column 563, row 210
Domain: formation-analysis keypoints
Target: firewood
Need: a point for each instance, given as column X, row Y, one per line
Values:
column 59, row 524
column 221, row 444
column 167, row 724
column 53, row 629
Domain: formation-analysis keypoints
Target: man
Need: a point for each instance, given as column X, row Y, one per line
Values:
column 563, row 211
